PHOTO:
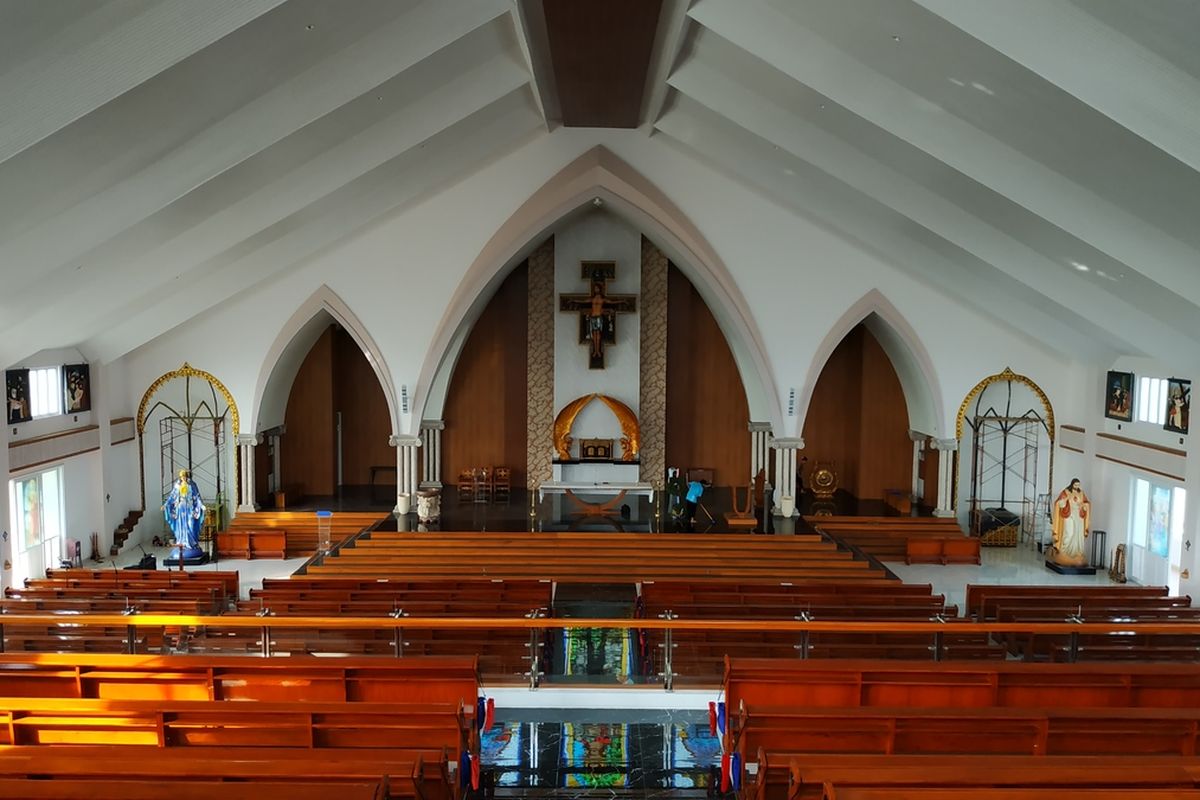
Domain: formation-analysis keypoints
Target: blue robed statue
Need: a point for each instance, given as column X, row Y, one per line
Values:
column 184, row 511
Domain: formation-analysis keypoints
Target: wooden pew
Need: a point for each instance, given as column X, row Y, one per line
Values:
column 301, row 527
column 970, row 731
column 253, row 543
column 227, row 580
column 793, row 683
column 298, row 678
column 780, row 774
column 93, row 789
column 401, row 774
column 978, row 593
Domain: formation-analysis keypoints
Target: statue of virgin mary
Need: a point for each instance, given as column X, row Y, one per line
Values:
column 184, row 512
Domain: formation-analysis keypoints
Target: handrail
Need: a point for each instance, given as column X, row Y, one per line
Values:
column 521, row 623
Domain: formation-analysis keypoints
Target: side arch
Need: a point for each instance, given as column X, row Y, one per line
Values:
column 914, row 367
column 598, row 174
column 290, row 347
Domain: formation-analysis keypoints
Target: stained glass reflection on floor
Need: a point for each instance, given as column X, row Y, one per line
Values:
column 582, row 755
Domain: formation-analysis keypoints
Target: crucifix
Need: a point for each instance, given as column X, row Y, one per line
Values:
column 597, row 310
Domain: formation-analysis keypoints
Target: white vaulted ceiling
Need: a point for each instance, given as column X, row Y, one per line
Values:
column 1038, row 160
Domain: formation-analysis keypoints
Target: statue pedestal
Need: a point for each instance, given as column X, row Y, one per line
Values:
column 191, row 558
column 1070, row 569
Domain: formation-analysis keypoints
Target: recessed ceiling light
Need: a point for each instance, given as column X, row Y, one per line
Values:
column 1079, row 266
column 982, row 88
column 822, row 106
column 895, row 38
column 957, row 82
column 309, row 27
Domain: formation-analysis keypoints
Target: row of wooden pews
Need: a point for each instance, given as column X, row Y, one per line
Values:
column 913, row 540
column 287, row 534
column 500, row 652
column 597, row 558
column 159, row 727
column 1105, row 604
column 699, row 653
column 976, row 730
column 69, row 592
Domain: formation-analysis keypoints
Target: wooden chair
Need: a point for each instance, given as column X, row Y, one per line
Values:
column 501, row 483
column 466, row 486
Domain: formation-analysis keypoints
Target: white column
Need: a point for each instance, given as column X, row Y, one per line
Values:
column 945, row 493
column 759, row 432
column 918, row 440
column 431, row 462
column 246, row 442
column 785, row 469
column 406, row 469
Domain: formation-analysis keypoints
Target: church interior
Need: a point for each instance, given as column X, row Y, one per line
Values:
column 474, row 399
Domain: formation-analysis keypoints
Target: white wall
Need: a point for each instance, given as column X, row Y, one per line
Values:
column 597, row 235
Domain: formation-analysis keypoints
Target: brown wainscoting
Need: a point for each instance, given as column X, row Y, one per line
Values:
column 366, row 420
column 307, row 458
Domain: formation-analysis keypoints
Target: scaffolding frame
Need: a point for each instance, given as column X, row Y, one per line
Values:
column 1006, row 447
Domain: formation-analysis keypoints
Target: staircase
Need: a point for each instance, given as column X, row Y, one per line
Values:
column 124, row 529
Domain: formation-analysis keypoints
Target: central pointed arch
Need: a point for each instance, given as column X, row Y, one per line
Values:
column 293, row 343
column 599, row 175
column 914, row 367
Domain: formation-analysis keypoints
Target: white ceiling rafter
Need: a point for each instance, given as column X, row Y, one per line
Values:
column 760, row 27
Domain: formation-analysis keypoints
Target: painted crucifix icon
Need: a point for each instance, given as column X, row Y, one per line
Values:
column 598, row 309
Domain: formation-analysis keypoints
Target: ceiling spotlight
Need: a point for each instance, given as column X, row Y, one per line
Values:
column 895, row 38
column 309, row 27
column 597, row 202
column 957, row 82
column 983, row 88
column 1077, row 265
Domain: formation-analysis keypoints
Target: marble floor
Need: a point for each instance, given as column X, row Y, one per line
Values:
column 1012, row 565
column 250, row 573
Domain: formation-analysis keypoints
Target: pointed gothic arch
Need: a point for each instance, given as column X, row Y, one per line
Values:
column 598, row 174
column 293, row 343
column 910, row 359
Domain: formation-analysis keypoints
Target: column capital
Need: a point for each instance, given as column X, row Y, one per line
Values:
column 917, row 436
column 945, row 444
column 433, row 424
column 404, row 441
column 788, row 443
column 760, row 427
column 249, row 439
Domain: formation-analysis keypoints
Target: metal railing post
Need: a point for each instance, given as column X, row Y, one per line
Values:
column 535, row 646
column 805, row 635
column 398, row 642
column 668, row 647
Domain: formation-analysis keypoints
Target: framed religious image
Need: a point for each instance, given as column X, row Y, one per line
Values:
column 77, row 389
column 16, row 395
column 1118, row 396
column 1179, row 402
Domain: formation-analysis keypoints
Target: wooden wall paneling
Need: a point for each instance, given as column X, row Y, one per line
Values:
column 929, row 474
column 366, row 422
column 832, row 427
column 885, row 451
column 308, row 446
column 485, row 412
column 262, row 473
column 858, row 419
column 707, row 411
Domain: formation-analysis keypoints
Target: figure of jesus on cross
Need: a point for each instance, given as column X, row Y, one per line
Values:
column 597, row 309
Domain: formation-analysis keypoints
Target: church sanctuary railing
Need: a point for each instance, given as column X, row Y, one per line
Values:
column 134, row 632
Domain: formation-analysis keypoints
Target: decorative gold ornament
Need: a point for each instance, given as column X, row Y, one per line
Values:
column 630, row 440
column 188, row 371
column 824, row 481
